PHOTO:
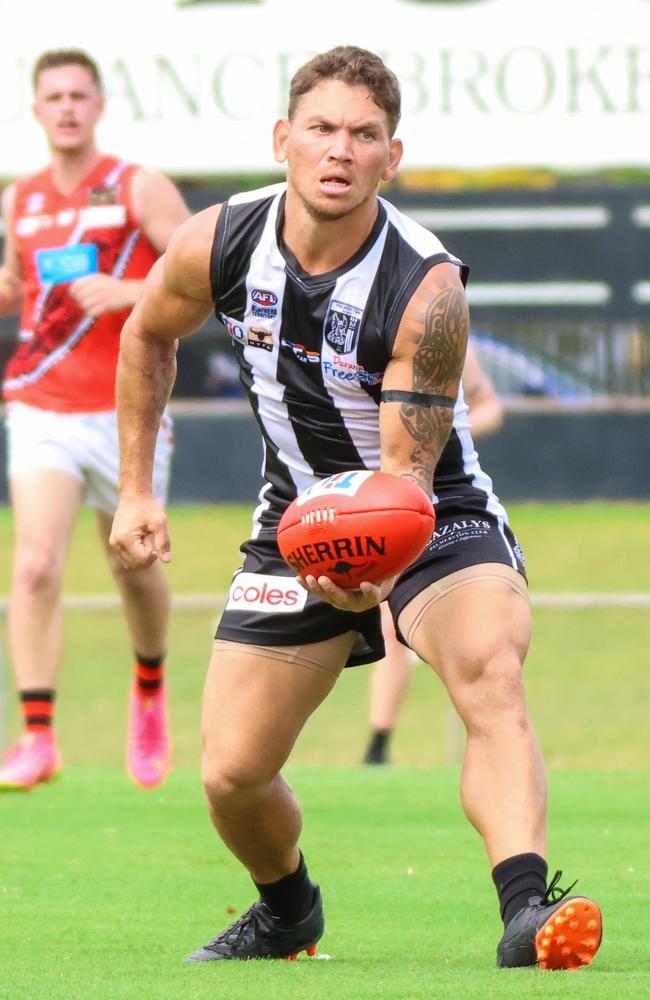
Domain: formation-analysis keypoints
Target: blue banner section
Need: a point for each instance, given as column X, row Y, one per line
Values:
column 66, row 263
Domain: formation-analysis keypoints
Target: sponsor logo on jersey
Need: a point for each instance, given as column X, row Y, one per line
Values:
column 262, row 297
column 92, row 217
column 234, row 328
column 519, row 553
column 264, row 303
column 341, row 328
column 278, row 595
column 347, row 483
column 27, row 225
column 260, row 336
column 104, row 195
column 65, row 217
column 454, row 532
column 103, row 216
column 59, row 264
column 347, row 371
column 35, row 202
column 300, row 351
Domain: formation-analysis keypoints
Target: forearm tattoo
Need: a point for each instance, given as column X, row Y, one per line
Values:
column 158, row 373
column 437, row 367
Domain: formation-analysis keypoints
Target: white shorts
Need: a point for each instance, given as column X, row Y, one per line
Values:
column 83, row 444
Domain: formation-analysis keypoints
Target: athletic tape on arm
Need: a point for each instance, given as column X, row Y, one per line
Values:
column 417, row 398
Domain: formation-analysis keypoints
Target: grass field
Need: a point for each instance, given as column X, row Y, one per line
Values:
column 104, row 888
column 586, row 671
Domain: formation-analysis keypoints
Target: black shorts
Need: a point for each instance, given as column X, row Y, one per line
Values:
column 463, row 537
column 267, row 607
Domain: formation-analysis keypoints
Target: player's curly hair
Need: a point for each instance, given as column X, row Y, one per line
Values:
column 355, row 66
column 66, row 57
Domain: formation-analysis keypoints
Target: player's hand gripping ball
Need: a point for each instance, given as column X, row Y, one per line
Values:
column 356, row 526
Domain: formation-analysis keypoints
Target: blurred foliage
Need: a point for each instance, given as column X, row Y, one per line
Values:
column 451, row 180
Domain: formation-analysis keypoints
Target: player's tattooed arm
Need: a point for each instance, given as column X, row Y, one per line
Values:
column 421, row 382
column 175, row 301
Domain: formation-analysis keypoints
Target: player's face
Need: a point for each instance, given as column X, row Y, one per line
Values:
column 68, row 105
column 338, row 148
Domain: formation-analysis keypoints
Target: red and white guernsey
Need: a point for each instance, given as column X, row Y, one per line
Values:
column 65, row 360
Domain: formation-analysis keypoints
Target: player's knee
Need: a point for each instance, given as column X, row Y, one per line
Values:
column 36, row 571
column 491, row 690
column 228, row 782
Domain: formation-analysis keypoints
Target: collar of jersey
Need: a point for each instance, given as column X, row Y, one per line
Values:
column 329, row 278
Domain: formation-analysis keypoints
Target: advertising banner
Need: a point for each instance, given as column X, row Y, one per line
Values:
column 194, row 87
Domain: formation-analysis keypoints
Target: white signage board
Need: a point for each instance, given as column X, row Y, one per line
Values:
column 194, row 88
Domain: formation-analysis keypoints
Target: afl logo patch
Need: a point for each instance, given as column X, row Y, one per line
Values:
column 342, row 325
column 262, row 297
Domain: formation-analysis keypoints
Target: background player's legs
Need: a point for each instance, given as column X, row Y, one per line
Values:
column 45, row 505
column 476, row 638
column 389, row 683
column 146, row 602
column 253, row 710
column 145, row 597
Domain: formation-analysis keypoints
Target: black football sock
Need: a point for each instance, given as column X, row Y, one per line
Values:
column 379, row 742
column 37, row 707
column 290, row 898
column 516, row 880
column 149, row 673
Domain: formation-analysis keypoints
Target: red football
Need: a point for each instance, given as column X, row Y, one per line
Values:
column 356, row 526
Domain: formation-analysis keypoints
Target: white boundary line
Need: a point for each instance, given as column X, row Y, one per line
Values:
column 203, row 601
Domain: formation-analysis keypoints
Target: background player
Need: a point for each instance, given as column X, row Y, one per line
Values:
column 391, row 677
column 80, row 237
column 364, row 291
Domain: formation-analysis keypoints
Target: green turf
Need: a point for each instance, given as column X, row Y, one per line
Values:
column 105, row 889
column 587, row 680
column 568, row 547
column 586, row 672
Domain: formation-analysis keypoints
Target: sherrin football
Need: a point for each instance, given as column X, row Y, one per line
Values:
column 356, row 526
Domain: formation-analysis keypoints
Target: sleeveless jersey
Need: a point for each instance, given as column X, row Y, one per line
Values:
column 312, row 349
column 65, row 360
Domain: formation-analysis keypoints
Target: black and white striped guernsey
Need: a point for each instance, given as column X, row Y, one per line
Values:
column 313, row 350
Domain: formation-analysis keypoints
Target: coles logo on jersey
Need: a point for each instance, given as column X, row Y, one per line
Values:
column 343, row 482
column 278, row 595
column 342, row 325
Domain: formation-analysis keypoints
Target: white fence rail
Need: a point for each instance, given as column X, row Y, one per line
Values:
column 204, row 601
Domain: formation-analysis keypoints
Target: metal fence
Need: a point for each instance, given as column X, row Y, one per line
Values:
column 559, row 290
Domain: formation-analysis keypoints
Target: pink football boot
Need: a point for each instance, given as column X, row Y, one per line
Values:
column 149, row 745
column 33, row 759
